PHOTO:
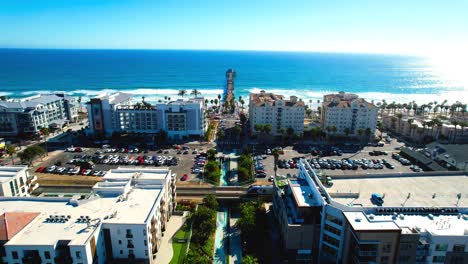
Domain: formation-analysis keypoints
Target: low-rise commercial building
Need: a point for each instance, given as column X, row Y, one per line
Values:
column 117, row 113
column 346, row 114
column 121, row 222
column 276, row 111
column 424, row 222
column 16, row 181
column 27, row 116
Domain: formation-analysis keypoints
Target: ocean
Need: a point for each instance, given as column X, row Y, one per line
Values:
column 158, row 73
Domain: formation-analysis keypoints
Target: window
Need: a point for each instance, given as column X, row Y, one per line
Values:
column 146, row 252
column 459, row 248
column 47, row 254
column 14, row 254
column 78, row 254
column 145, row 242
column 121, row 252
column 120, row 242
column 386, row 248
column 438, row 259
column 441, row 247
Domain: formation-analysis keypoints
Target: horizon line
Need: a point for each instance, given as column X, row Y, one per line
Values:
column 224, row 50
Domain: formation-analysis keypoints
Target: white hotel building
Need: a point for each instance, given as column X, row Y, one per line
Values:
column 272, row 109
column 424, row 219
column 118, row 113
column 348, row 111
column 16, row 181
column 122, row 222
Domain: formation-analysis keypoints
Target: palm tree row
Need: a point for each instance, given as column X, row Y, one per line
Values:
column 442, row 109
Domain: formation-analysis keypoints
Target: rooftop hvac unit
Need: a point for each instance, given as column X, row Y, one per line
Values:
column 431, row 216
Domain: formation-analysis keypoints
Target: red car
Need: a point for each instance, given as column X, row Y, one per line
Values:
column 82, row 171
column 78, row 150
column 184, row 177
column 40, row 169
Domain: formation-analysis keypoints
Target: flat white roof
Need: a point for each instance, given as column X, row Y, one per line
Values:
column 439, row 225
column 8, row 172
column 302, row 193
column 397, row 189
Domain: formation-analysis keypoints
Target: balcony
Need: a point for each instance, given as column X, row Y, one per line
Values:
column 130, row 245
column 129, row 235
column 32, row 179
column 33, row 187
column 367, row 253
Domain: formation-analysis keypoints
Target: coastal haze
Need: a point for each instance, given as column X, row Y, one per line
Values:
column 158, row 73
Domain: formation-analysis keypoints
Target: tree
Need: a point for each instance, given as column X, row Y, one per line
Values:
column 275, row 153
column 10, row 150
column 309, row 112
column 347, row 131
column 219, row 97
column 267, row 129
column 290, row 132
column 368, row 133
column 249, row 260
column 30, row 153
column 410, row 122
column 181, row 93
column 211, row 153
column 195, row 93
column 258, row 127
column 203, row 224
column 206, row 101
column 360, row 132
column 243, row 118
column 399, row 116
column 212, row 101
column 211, row 202
column 216, row 101
column 242, row 102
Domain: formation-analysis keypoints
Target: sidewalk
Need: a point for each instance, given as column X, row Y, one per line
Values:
column 166, row 252
column 235, row 250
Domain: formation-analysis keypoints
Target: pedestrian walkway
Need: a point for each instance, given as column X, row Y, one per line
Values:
column 235, row 249
column 165, row 253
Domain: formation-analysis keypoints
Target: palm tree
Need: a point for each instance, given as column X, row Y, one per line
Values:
column 393, row 120
column 410, row 122
column 195, row 93
column 212, row 101
column 219, row 97
column 308, row 112
column 181, row 93
column 360, row 132
column 334, row 129
column 455, row 123
column 368, row 133
column 206, row 101
column 275, row 153
column 463, row 124
column 413, row 127
column 10, row 150
column 399, row 116
column 242, row 102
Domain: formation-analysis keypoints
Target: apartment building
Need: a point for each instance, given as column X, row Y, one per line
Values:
column 348, row 113
column 272, row 109
column 424, row 222
column 27, row 116
column 16, row 181
column 121, row 222
column 117, row 113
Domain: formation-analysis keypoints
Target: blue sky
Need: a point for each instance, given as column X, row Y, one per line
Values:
column 411, row 26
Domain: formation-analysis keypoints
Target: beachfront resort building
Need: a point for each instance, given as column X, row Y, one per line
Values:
column 346, row 114
column 272, row 109
column 372, row 219
column 16, row 181
column 122, row 221
column 27, row 116
column 181, row 119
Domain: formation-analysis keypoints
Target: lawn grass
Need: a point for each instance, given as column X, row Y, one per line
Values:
column 180, row 249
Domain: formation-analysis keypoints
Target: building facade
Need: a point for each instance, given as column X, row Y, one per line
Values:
column 348, row 114
column 117, row 113
column 15, row 181
column 281, row 114
column 28, row 115
column 407, row 228
column 121, row 222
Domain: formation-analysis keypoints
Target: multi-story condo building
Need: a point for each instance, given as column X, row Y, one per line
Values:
column 117, row 113
column 16, row 181
column 348, row 113
column 420, row 219
column 28, row 115
column 121, row 222
column 272, row 109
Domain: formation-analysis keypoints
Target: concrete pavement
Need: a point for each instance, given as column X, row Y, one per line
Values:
column 165, row 253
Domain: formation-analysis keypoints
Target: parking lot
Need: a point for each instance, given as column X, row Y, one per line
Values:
column 70, row 166
column 364, row 153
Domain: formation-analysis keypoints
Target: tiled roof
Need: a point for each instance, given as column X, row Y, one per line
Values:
column 260, row 99
column 345, row 101
column 12, row 222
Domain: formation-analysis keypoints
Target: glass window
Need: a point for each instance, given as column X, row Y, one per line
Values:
column 438, row 259
column 441, row 247
column 459, row 248
column 47, row 254
column 14, row 254
column 78, row 254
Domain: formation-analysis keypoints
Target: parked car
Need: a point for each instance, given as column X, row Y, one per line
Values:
column 377, row 199
column 40, row 169
column 184, row 177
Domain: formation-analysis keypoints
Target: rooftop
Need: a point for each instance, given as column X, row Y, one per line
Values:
column 344, row 100
column 263, row 98
column 12, row 222
column 8, row 172
column 442, row 225
column 115, row 98
column 302, row 193
column 423, row 191
column 457, row 152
